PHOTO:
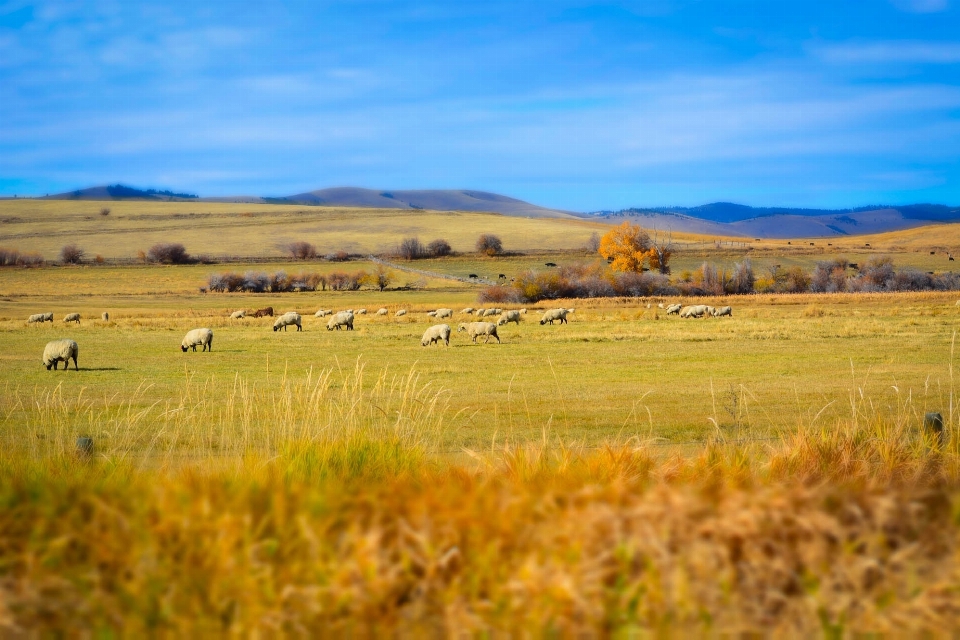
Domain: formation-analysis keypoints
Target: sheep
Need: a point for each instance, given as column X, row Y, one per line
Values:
column 432, row 314
column 694, row 311
column 194, row 337
column 570, row 310
column 477, row 329
column 709, row 310
column 361, row 312
column 554, row 314
column 722, row 311
column 479, row 312
column 444, row 313
column 320, row 313
column 508, row 316
column 40, row 317
column 236, row 315
column 674, row 309
column 341, row 319
column 105, row 316
column 523, row 312
column 401, row 312
column 436, row 333
column 490, row 312
column 382, row 312
column 259, row 313
column 467, row 310
column 60, row 350
column 286, row 320
column 72, row 317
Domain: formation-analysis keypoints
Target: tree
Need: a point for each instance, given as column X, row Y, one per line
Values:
column 380, row 279
column 489, row 244
column 71, row 254
column 439, row 248
column 630, row 248
column 302, row 250
column 411, row 249
column 593, row 243
column 169, row 253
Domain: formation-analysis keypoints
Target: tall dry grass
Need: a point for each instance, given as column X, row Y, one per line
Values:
column 318, row 507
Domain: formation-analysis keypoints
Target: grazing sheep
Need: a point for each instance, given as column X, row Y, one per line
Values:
column 236, row 315
column 436, row 333
column 105, row 316
column 286, row 320
column 660, row 306
column 60, row 350
column 72, row 317
column 476, row 329
column 467, row 310
column 259, row 313
column 361, row 312
column 508, row 316
column 40, row 317
column 555, row 314
column 709, row 310
column 342, row 319
column 490, row 312
column 401, row 312
column 382, row 312
column 203, row 337
column 432, row 314
column 321, row 313
column 674, row 309
column 479, row 312
column 722, row 311
column 523, row 312
column 444, row 313
column 694, row 311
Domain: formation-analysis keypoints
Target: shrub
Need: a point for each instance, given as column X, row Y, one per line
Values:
column 302, row 250
column 168, row 253
column 105, row 211
column 99, row 259
column 71, row 254
column 498, row 294
column 439, row 248
column 593, row 242
column 411, row 249
column 490, row 245
column 742, row 279
column 13, row 258
column 380, row 279
column 338, row 256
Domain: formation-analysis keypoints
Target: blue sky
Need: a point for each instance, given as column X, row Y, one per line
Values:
column 575, row 105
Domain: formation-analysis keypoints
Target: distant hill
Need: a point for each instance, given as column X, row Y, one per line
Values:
column 725, row 218
column 120, row 192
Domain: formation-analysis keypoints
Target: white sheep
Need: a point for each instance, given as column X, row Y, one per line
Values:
column 476, row 329
column 40, row 317
column 444, row 313
column 382, row 312
column 287, row 319
column 203, row 337
column 508, row 316
column 436, row 333
column 105, row 316
column 490, row 312
column 479, row 312
column 60, row 350
column 694, row 311
column 570, row 310
column 555, row 314
column 401, row 312
column 321, row 313
column 722, row 311
column 361, row 312
column 72, row 317
column 432, row 314
column 523, row 312
column 467, row 310
column 674, row 309
column 341, row 319
column 709, row 310
column 236, row 315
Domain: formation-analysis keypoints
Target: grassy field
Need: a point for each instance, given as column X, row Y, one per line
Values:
column 626, row 474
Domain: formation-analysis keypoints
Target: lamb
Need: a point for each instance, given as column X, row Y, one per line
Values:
column 203, row 337
column 555, row 314
column 436, row 333
column 401, row 312
column 286, row 320
column 72, row 317
column 40, row 317
column 342, row 319
column 470, row 309
column 60, row 350
column 674, row 309
column 105, row 316
column 236, row 315
column 444, row 313
column 722, row 311
column 508, row 316
column 259, row 313
column 477, row 329
column 382, row 312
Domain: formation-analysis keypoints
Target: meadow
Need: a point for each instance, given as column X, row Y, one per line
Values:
column 629, row 473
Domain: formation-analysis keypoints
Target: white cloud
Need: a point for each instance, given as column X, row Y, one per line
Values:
column 889, row 51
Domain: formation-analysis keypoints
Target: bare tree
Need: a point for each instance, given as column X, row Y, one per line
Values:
column 411, row 249
column 302, row 250
column 71, row 254
column 489, row 244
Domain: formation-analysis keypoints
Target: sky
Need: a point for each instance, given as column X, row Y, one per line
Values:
column 574, row 105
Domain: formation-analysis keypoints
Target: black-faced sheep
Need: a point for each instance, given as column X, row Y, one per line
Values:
column 341, row 319
column 476, row 329
column 202, row 337
column 60, row 351
column 72, row 317
column 554, row 314
column 287, row 319
column 436, row 333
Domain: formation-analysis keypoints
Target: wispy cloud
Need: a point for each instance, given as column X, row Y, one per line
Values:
column 891, row 51
column 921, row 6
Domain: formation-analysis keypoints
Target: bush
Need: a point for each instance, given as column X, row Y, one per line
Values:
column 13, row 258
column 99, row 259
column 105, row 211
column 490, row 245
column 498, row 294
column 169, row 253
column 302, row 250
column 71, row 254
column 439, row 248
column 742, row 279
column 338, row 256
column 411, row 249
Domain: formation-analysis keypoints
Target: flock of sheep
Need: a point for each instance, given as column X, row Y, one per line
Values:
column 65, row 350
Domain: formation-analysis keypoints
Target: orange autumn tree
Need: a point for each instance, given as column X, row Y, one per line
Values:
column 630, row 248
